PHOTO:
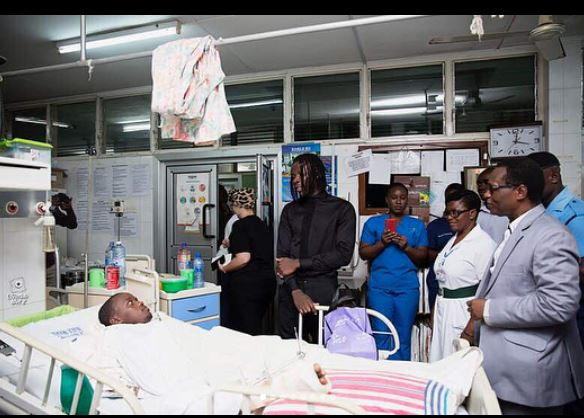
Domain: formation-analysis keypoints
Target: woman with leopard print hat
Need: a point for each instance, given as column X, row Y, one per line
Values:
column 250, row 282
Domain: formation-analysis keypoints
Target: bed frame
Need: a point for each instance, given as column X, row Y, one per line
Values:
column 14, row 399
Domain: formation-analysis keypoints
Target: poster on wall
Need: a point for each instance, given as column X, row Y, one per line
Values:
column 192, row 193
column 289, row 152
column 331, row 182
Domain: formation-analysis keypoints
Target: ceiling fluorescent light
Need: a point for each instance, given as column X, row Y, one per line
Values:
column 121, row 37
column 394, row 112
column 254, row 104
column 130, row 121
column 134, row 127
column 37, row 121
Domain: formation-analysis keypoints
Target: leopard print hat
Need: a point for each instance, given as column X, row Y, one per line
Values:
column 244, row 198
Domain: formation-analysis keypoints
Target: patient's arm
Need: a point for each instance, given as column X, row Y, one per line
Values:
column 296, row 379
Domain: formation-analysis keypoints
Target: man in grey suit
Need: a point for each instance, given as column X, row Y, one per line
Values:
column 525, row 311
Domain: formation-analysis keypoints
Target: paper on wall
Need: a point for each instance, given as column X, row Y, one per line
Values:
column 457, row 159
column 192, row 193
column 121, row 180
column 359, row 163
column 102, row 182
column 380, row 172
column 141, row 183
column 432, row 162
column 129, row 224
column 405, row 162
column 438, row 182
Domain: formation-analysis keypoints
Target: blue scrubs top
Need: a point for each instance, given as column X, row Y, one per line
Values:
column 392, row 269
column 569, row 210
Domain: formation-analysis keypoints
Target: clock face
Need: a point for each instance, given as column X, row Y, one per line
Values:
column 515, row 141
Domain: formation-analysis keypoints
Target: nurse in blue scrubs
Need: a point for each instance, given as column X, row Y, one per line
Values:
column 395, row 257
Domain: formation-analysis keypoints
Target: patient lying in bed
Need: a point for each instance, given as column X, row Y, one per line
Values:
column 176, row 366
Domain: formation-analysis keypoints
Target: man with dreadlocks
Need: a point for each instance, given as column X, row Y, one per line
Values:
column 316, row 237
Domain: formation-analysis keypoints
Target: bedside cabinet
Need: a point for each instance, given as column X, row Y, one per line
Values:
column 198, row 307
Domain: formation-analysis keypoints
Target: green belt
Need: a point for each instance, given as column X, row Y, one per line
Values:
column 461, row 293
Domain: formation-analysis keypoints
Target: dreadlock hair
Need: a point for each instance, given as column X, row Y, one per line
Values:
column 313, row 175
column 106, row 312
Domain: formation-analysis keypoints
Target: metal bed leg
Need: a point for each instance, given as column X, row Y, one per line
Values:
column 24, row 369
column 96, row 398
column 75, row 402
column 49, row 381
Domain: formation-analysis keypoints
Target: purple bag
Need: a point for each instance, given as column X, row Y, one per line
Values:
column 348, row 331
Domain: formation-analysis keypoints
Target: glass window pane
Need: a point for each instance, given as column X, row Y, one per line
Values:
column 30, row 124
column 168, row 143
column 494, row 92
column 407, row 101
column 258, row 112
column 127, row 123
column 73, row 128
column 326, row 107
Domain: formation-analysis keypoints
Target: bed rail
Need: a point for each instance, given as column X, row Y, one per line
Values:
column 383, row 354
column 310, row 398
column 17, row 397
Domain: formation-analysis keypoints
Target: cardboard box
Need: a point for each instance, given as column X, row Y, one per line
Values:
column 418, row 190
column 57, row 178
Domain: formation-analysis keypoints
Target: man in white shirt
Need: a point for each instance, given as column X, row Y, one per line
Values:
column 492, row 224
column 525, row 311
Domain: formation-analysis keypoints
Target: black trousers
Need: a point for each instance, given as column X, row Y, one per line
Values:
column 246, row 302
column 510, row 408
column 320, row 291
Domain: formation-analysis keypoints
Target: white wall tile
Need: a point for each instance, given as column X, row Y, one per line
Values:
column 573, row 145
column 572, row 110
column 556, row 111
column 556, row 143
column 556, row 74
column 572, row 64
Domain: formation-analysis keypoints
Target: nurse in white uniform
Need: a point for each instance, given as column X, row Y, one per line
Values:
column 459, row 268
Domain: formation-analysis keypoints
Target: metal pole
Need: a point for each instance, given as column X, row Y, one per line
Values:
column 86, row 283
column 83, row 44
column 227, row 41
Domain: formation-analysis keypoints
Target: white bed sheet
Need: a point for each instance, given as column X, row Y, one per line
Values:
column 233, row 356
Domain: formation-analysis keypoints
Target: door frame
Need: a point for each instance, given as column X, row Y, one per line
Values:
column 210, row 157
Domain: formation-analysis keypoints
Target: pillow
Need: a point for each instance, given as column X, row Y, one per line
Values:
column 39, row 316
column 377, row 392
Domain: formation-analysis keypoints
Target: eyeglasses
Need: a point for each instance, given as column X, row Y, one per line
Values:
column 455, row 213
column 494, row 187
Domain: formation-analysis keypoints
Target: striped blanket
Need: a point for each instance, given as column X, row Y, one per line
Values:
column 377, row 392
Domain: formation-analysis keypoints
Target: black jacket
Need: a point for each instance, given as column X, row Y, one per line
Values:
column 320, row 231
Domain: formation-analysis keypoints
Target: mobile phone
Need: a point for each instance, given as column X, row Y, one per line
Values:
column 391, row 225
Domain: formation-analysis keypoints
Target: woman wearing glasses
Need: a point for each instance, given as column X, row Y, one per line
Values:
column 459, row 268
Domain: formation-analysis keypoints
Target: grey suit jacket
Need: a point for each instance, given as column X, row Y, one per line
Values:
column 532, row 351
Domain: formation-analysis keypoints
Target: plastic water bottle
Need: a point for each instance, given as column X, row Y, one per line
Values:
column 119, row 260
column 183, row 257
column 108, row 254
column 199, row 280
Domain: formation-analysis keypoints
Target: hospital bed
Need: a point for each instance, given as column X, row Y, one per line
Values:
column 30, row 388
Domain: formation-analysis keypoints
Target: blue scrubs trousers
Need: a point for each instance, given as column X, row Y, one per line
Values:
column 400, row 307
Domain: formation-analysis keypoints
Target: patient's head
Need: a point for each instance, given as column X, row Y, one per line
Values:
column 124, row 308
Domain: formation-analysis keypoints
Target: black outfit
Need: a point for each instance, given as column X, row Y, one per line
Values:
column 251, row 289
column 320, row 232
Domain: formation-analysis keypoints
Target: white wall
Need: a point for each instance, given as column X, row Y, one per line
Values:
column 21, row 258
column 565, row 113
column 142, row 206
